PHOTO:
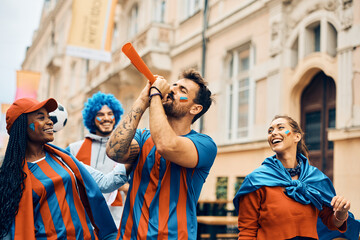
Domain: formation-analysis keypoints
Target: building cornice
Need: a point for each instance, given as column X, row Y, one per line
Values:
column 344, row 134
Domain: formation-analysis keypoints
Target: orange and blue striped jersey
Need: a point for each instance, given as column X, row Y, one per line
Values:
column 162, row 197
column 59, row 210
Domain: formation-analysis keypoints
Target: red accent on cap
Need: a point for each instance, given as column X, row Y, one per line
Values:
column 27, row 105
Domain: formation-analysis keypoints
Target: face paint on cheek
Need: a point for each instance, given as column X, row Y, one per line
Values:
column 98, row 119
column 34, row 126
column 183, row 99
column 112, row 117
column 287, row 132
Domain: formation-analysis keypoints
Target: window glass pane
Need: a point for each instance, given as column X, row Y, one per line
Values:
column 242, row 133
column 243, row 107
column 221, row 188
column 317, row 38
column 133, row 26
column 243, row 98
column 230, row 110
column 332, row 118
column 332, row 114
column 159, row 10
column 197, row 4
column 312, row 127
column 230, row 68
column 191, row 7
column 163, row 7
column 244, row 62
column 243, row 83
column 243, row 116
column 238, row 182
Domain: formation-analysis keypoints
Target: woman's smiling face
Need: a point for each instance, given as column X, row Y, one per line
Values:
column 40, row 127
column 281, row 136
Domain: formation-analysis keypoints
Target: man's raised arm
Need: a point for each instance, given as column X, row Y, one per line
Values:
column 121, row 146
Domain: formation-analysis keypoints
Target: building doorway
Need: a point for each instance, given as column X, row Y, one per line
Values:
column 318, row 109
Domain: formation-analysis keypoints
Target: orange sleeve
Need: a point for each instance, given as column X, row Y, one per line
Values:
column 249, row 211
column 326, row 216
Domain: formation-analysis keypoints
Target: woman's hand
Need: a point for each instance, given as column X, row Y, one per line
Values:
column 341, row 207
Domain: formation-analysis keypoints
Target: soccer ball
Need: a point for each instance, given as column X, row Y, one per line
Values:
column 59, row 117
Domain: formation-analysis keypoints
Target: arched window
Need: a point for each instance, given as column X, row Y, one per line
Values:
column 312, row 38
column 319, row 36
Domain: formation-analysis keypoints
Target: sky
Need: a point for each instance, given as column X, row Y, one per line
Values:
column 18, row 21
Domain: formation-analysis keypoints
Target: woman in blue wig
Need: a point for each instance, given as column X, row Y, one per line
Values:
column 285, row 196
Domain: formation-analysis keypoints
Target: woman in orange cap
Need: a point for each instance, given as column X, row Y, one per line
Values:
column 45, row 192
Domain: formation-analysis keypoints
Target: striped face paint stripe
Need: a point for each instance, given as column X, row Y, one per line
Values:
column 98, row 119
column 287, row 132
column 183, row 99
column 34, row 126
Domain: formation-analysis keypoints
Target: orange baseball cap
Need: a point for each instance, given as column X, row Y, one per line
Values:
column 27, row 105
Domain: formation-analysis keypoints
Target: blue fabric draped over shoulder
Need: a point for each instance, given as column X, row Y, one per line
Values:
column 312, row 187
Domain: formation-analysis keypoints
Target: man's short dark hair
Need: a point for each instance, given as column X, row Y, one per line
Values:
column 203, row 96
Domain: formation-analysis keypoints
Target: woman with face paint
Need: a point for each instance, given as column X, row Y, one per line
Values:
column 285, row 196
column 45, row 192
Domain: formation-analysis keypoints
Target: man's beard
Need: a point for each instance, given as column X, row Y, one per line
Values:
column 172, row 111
column 104, row 133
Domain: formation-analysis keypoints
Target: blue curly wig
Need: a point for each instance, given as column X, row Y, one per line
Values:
column 95, row 103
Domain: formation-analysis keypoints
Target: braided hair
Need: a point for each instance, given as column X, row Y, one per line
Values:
column 12, row 176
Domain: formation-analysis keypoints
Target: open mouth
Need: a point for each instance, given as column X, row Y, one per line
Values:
column 49, row 130
column 106, row 124
column 275, row 141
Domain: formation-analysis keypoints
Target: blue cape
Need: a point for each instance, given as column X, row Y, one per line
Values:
column 313, row 187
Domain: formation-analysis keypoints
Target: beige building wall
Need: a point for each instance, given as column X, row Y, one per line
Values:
column 276, row 36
